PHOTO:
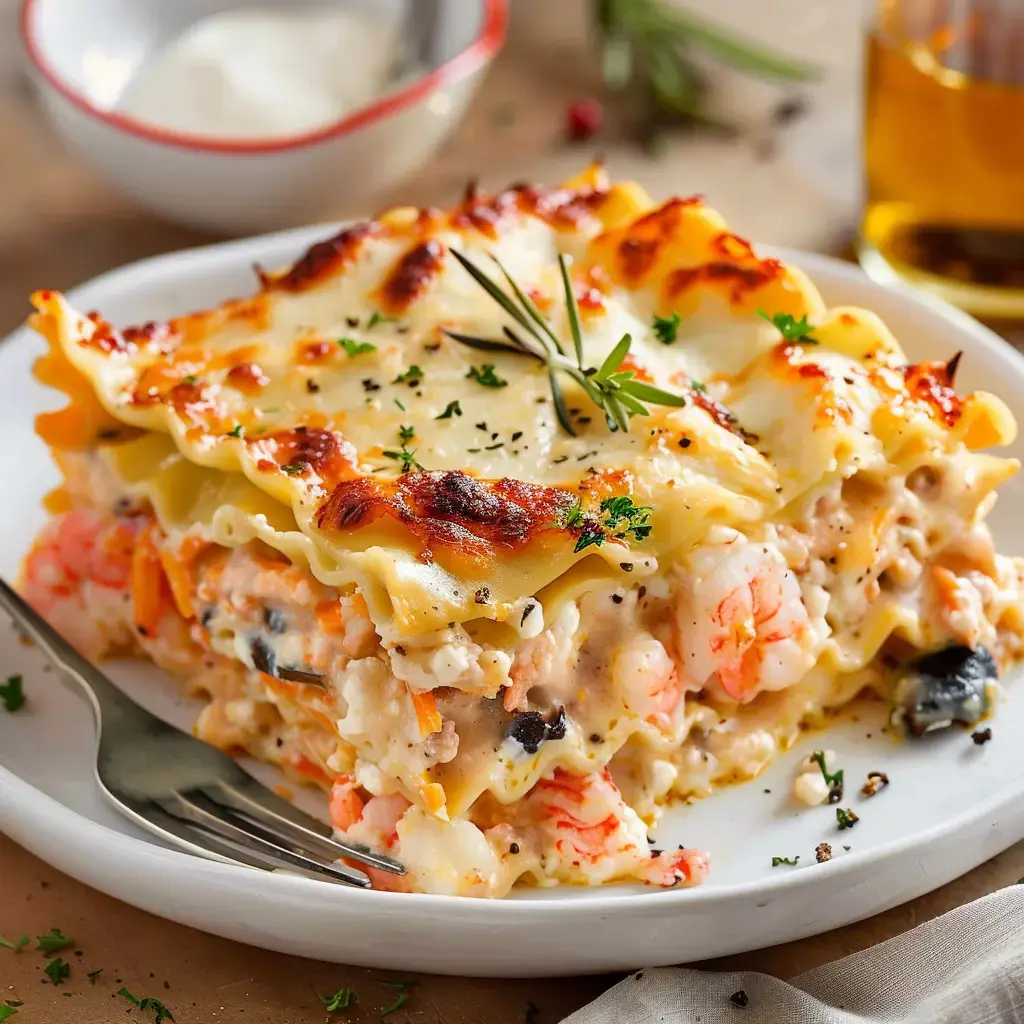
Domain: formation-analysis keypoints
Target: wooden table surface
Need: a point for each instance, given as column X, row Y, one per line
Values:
column 60, row 225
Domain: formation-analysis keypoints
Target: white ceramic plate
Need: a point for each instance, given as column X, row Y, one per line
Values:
column 951, row 804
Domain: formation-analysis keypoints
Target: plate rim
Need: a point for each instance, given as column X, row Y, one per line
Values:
column 33, row 810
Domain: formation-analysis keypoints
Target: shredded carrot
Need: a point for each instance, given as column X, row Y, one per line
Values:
column 310, row 769
column 331, row 617
column 147, row 583
column 427, row 715
column 181, row 585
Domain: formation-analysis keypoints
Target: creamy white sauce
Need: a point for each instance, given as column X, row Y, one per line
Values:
column 248, row 74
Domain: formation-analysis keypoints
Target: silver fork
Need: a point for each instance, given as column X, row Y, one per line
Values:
column 186, row 791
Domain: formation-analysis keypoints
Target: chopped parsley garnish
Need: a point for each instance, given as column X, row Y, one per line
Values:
column 134, row 1000
column 411, row 376
column 341, row 1000
column 777, row 861
column 356, row 348
column 398, row 402
column 621, row 518
column 699, row 387
column 190, row 379
column 405, row 457
column 7, row 1012
column 53, row 941
column 161, row 1011
column 237, row 432
column 379, row 318
column 846, row 819
column 12, row 693
column 622, row 510
column 450, row 410
column 401, row 999
column 789, row 327
column 846, row 848
column 486, row 376
column 666, row 329
column 406, row 434
column 93, row 975
column 57, row 970
column 16, row 946
column 291, row 468
column 834, row 781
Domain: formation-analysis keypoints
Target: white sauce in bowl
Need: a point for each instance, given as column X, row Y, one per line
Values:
column 248, row 74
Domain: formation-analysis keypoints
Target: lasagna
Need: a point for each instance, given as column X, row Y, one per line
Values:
column 511, row 524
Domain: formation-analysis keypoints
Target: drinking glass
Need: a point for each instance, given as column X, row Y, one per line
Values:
column 944, row 145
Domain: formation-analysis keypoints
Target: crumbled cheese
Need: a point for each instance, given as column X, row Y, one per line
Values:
column 809, row 789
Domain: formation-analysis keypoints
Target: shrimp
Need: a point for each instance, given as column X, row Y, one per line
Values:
column 596, row 837
column 77, row 575
column 373, row 822
column 675, row 867
column 79, row 545
column 743, row 621
column 648, row 680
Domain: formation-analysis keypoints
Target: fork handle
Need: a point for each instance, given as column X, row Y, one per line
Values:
column 109, row 704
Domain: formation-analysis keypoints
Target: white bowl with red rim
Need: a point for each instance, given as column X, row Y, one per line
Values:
column 84, row 55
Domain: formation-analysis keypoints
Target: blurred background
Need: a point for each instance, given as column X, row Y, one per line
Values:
column 757, row 104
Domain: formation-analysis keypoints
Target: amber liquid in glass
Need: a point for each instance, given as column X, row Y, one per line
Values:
column 945, row 177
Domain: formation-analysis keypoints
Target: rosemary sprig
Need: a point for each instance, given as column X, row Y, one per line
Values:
column 617, row 393
column 650, row 42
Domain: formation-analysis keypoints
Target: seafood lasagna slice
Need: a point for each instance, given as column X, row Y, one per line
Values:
column 510, row 524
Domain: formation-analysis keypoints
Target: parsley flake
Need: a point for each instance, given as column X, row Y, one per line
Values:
column 622, row 510
column 399, row 404
column 12, row 693
column 7, row 1012
column 846, row 819
column 341, row 1000
column 486, row 376
column 161, row 1011
column 789, row 327
column 621, row 518
column 93, row 975
column 356, row 348
column 450, row 410
column 53, row 941
column 667, row 330
column 191, row 379
column 412, row 376
column 57, row 971
column 237, row 432
column 401, row 999
column 292, row 468
column 777, row 861
column 406, row 434
column 16, row 946
column 379, row 318
column 134, row 1000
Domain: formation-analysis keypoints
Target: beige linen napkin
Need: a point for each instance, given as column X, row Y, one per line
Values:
column 966, row 967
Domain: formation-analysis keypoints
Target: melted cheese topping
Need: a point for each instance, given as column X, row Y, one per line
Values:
column 277, row 412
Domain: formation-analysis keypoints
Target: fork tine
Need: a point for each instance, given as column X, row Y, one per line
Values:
column 260, row 806
column 199, row 810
